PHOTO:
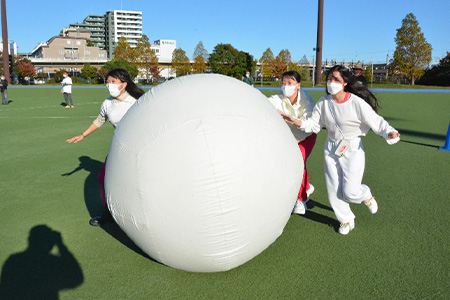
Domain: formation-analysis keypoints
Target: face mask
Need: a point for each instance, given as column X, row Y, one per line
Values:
column 247, row 75
column 114, row 89
column 333, row 87
column 288, row 90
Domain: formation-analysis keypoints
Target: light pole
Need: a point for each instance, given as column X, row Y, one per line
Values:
column 318, row 76
column 5, row 43
column 262, row 73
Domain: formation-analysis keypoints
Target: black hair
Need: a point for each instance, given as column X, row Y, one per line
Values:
column 354, row 86
column 292, row 74
column 132, row 89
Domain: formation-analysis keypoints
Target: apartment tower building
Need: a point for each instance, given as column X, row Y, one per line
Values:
column 106, row 30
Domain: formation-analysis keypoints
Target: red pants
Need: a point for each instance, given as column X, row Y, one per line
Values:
column 101, row 182
column 306, row 147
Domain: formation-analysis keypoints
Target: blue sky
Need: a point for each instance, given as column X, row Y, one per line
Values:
column 353, row 30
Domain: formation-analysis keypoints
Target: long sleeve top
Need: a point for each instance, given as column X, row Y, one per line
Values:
column 354, row 117
column 113, row 109
column 302, row 109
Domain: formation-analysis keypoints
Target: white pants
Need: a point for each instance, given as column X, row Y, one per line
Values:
column 343, row 177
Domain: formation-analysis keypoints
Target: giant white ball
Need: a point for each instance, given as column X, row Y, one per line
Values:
column 203, row 173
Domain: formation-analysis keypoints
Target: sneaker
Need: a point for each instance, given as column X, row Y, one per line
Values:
column 372, row 205
column 310, row 190
column 102, row 219
column 67, row 106
column 299, row 208
column 345, row 228
column 72, row 106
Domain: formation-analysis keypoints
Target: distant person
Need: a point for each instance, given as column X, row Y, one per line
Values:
column 248, row 79
column 4, row 89
column 67, row 90
column 124, row 93
column 298, row 104
column 358, row 72
column 348, row 112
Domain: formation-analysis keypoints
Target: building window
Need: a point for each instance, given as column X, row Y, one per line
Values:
column 69, row 42
column 78, row 42
column 87, row 52
column 101, row 55
column 61, row 51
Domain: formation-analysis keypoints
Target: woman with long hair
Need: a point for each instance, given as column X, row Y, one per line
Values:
column 297, row 103
column 124, row 93
column 348, row 111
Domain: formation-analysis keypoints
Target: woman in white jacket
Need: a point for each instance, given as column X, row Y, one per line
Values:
column 347, row 112
column 295, row 102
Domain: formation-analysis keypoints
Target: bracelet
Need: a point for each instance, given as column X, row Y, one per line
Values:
column 83, row 135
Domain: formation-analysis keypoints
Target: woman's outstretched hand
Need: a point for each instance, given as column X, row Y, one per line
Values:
column 75, row 139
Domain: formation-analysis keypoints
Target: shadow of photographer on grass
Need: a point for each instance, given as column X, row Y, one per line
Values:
column 37, row 273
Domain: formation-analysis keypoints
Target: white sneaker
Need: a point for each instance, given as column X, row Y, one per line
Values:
column 299, row 208
column 345, row 228
column 372, row 205
column 310, row 190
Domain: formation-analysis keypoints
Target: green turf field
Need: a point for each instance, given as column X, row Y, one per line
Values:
column 402, row 252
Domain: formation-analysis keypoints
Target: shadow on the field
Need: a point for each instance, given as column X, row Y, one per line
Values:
column 93, row 202
column 316, row 217
column 421, row 134
column 37, row 273
column 420, row 144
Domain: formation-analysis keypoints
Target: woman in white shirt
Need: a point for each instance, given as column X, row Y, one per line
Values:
column 297, row 103
column 124, row 93
column 347, row 112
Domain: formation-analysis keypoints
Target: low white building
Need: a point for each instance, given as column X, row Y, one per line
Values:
column 163, row 50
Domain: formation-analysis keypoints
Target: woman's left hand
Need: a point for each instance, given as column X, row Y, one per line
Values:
column 291, row 120
column 393, row 134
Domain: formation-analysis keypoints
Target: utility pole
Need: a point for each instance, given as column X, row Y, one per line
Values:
column 5, row 43
column 318, row 77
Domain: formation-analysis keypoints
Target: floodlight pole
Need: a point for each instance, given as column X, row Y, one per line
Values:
column 5, row 43
column 318, row 77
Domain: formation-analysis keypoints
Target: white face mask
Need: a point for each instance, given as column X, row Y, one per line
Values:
column 288, row 90
column 334, row 87
column 114, row 89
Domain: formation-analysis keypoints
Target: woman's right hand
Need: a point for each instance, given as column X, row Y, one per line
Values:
column 75, row 139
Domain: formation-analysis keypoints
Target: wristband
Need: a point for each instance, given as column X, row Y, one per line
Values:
column 83, row 135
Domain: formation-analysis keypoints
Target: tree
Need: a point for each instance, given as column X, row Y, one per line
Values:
column 124, row 51
column 121, row 64
column 200, row 58
column 26, row 68
column 201, row 51
column 368, row 74
column 438, row 74
column 155, row 72
column 229, row 61
column 180, row 62
column 89, row 72
column 304, row 60
column 292, row 66
column 59, row 75
column 412, row 53
column 199, row 65
column 281, row 63
column 145, row 57
column 102, row 73
column 267, row 61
